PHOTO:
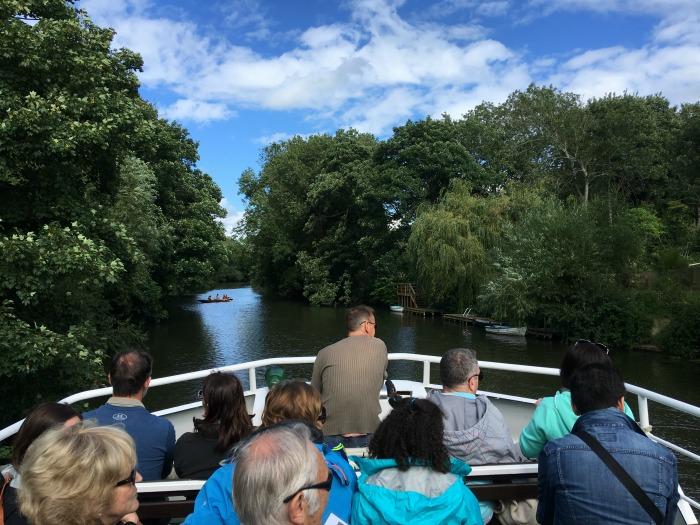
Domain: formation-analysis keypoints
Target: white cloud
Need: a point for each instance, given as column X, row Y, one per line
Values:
column 281, row 136
column 232, row 219
column 196, row 110
column 376, row 69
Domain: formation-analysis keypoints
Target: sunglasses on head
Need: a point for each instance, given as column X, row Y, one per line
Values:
column 602, row 347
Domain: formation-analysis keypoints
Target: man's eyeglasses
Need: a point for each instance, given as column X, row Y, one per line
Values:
column 131, row 480
column 323, row 485
column 480, row 375
column 373, row 323
column 322, row 416
column 602, row 347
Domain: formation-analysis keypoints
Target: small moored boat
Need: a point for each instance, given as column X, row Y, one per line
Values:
column 504, row 329
column 396, row 308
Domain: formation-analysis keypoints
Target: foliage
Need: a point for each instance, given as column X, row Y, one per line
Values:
column 563, row 267
column 316, row 218
column 103, row 211
column 682, row 335
column 448, row 244
column 546, row 209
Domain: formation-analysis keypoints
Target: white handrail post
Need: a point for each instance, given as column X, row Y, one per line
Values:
column 251, row 380
column 643, row 413
column 426, row 372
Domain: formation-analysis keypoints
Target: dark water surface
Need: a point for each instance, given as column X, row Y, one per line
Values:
column 199, row 336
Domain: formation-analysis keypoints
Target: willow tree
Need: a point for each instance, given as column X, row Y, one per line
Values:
column 449, row 243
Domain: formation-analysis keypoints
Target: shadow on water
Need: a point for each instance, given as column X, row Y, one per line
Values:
column 200, row 336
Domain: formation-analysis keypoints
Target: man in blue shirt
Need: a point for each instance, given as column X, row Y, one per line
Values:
column 576, row 486
column 130, row 376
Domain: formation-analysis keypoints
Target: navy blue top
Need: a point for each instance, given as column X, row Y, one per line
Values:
column 153, row 435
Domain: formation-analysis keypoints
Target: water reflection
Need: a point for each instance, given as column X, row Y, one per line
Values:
column 199, row 336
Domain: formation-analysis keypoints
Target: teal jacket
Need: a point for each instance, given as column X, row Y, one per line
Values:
column 553, row 418
column 419, row 495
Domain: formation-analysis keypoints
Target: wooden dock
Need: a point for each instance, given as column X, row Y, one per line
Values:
column 425, row 312
column 468, row 319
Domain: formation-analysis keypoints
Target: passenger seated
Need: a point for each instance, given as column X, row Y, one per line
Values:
column 282, row 465
column 79, row 475
column 475, row 430
column 130, row 375
column 198, row 454
column 409, row 477
column 42, row 418
column 554, row 417
column 577, row 485
column 286, row 401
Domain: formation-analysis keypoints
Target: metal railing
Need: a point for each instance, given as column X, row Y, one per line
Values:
column 643, row 395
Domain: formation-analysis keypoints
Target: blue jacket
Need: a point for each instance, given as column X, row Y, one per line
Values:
column 214, row 505
column 154, row 436
column 419, row 495
column 575, row 486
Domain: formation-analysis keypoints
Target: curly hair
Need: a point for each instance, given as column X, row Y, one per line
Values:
column 412, row 435
column 292, row 399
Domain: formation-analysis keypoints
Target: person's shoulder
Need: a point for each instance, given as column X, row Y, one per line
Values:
column 553, row 445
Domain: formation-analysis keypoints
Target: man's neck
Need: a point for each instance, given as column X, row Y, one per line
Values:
column 138, row 396
column 356, row 333
column 458, row 388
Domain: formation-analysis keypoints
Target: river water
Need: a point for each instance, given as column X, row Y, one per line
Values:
column 199, row 336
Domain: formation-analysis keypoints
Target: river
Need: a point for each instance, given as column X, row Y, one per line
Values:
column 199, row 336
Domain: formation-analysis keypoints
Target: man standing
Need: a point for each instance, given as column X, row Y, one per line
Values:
column 349, row 374
column 281, row 477
column 475, row 430
column 576, row 485
column 130, row 376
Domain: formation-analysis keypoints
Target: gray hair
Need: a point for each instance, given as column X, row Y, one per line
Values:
column 270, row 466
column 457, row 366
column 355, row 316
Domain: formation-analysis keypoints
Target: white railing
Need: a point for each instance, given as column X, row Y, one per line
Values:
column 643, row 395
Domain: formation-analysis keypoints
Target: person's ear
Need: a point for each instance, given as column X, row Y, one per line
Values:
column 109, row 378
column 573, row 407
column 147, row 383
column 621, row 403
column 296, row 509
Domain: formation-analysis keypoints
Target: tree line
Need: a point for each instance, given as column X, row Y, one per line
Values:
column 103, row 213
column 577, row 216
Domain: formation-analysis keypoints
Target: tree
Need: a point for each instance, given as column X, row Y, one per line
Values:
column 449, row 243
column 102, row 209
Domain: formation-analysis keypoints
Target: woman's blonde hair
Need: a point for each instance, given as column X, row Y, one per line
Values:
column 292, row 399
column 69, row 474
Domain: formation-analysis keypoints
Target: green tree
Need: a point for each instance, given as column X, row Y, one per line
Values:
column 102, row 209
column 449, row 243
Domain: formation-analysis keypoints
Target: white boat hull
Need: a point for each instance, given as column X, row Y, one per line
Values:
column 506, row 330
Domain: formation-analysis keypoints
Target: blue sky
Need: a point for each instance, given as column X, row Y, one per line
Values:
column 239, row 74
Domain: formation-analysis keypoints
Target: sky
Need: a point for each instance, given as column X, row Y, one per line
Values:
column 240, row 74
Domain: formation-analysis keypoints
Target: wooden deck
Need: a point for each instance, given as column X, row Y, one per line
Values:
column 425, row 312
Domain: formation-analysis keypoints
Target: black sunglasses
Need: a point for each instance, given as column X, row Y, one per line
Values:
column 602, row 347
column 131, row 480
column 323, row 485
column 480, row 375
